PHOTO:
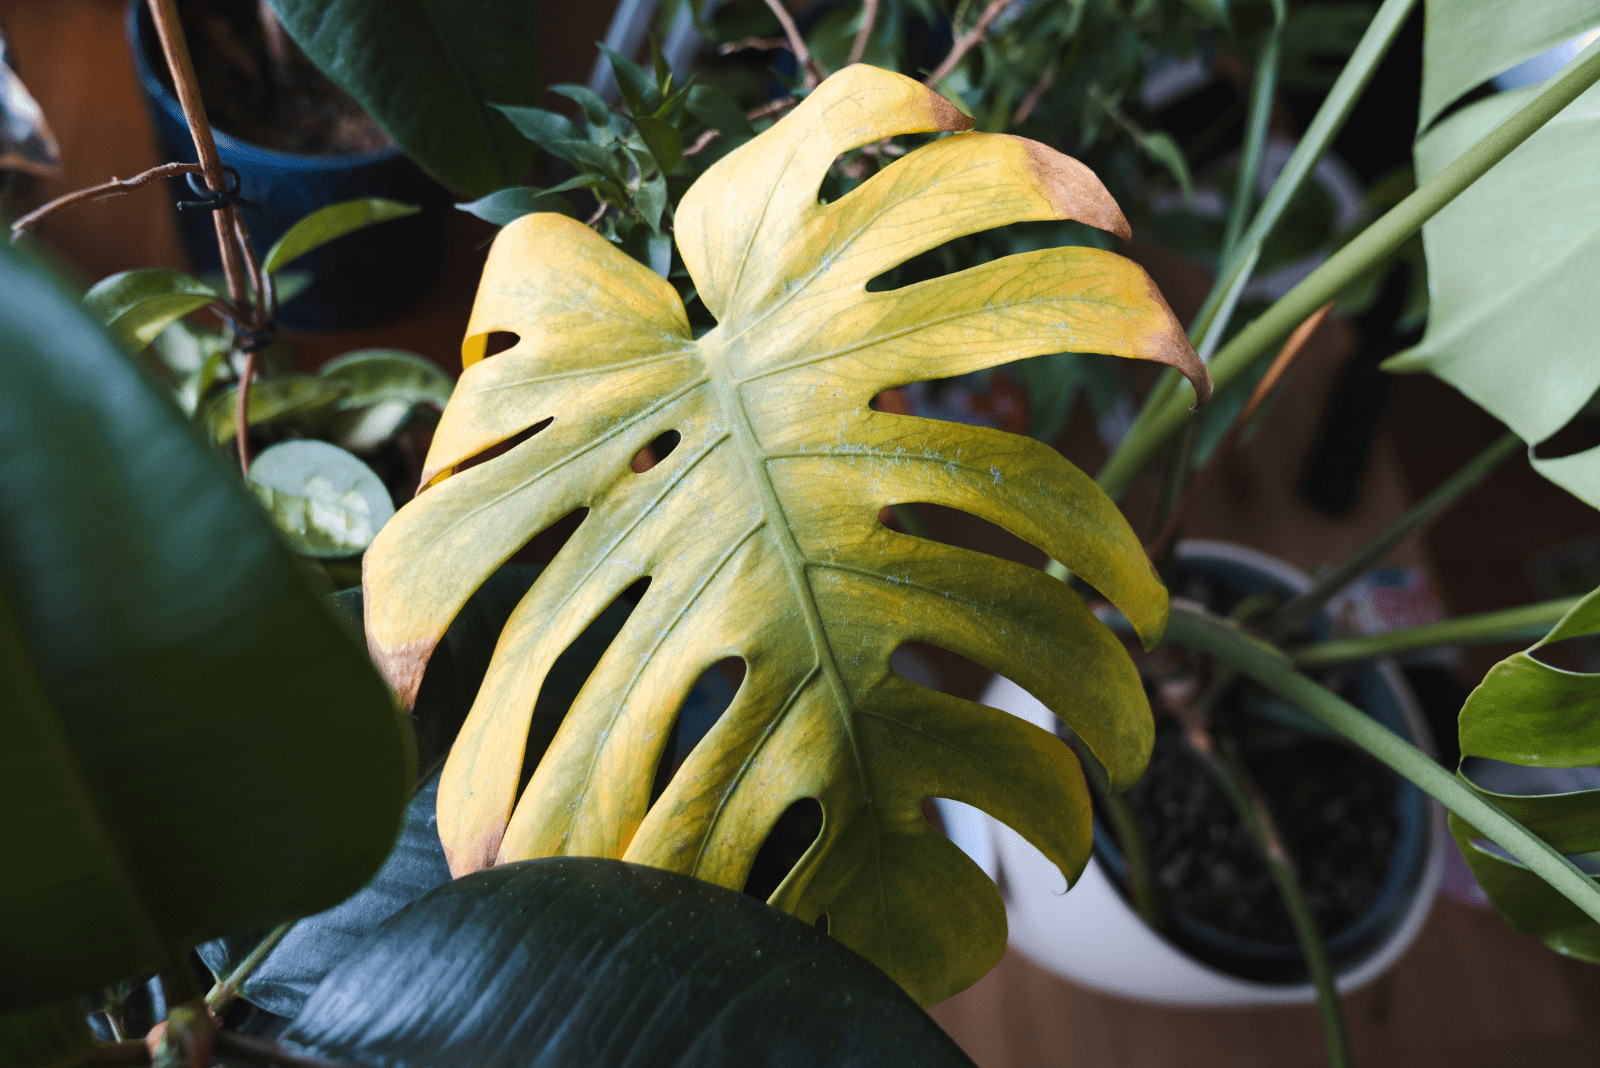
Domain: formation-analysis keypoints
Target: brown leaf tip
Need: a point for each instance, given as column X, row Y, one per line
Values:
column 401, row 667
column 1074, row 191
column 1173, row 349
column 946, row 115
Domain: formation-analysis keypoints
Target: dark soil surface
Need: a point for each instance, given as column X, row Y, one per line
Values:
column 269, row 96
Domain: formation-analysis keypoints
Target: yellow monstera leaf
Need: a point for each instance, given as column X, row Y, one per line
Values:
column 759, row 532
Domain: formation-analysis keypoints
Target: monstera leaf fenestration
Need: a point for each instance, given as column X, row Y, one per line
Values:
column 1529, row 715
column 759, row 532
column 1516, row 336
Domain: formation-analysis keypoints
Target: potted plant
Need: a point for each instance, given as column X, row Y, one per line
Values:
column 742, row 468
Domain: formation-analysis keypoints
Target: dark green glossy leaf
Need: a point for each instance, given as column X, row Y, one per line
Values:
column 594, row 108
column 1532, row 716
column 283, row 980
column 427, row 71
column 503, row 205
column 637, row 87
column 550, row 130
column 600, row 963
column 135, row 306
column 44, row 1035
column 329, row 223
column 165, row 673
column 663, row 140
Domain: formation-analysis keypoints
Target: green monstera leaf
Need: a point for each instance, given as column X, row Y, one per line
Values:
column 759, row 530
column 1529, row 715
column 1518, row 339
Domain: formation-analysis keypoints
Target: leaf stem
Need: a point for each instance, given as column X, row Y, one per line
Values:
column 223, row 994
column 1158, row 423
column 1415, row 518
column 966, row 43
column 1263, row 85
column 1193, row 626
column 1136, row 855
column 112, row 188
column 869, row 15
column 1523, row 623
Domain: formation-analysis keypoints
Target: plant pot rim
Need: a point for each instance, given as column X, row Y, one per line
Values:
column 1093, row 937
column 248, row 151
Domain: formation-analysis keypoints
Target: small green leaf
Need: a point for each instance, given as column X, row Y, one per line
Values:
column 637, row 87
column 137, row 305
column 326, row 502
column 719, row 111
column 663, row 140
column 385, row 384
column 503, row 205
column 1165, row 151
column 663, row 70
column 549, row 130
column 594, row 108
column 45, row 1035
column 286, row 285
column 615, row 964
column 651, row 200
column 333, row 221
column 270, row 400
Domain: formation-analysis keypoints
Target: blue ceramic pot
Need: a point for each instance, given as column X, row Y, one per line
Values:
column 359, row 279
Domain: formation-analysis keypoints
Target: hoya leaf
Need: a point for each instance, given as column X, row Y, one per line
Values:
column 326, row 502
column 1529, row 715
column 270, row 400
column 329, row 223
column 760, row 537
column 581, row 961
column 137, row 305
column 503, row 205
column 163, row 666
column 1517, row 336
column 427, row 70
column 376, row 375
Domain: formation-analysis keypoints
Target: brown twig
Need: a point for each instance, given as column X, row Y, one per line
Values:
column 1269, row 381
column 797, row 44
column 1035, row 95
column 115, row 187
column 700, row 143
column 966, row 43
column 752, row 44
column 869, row 15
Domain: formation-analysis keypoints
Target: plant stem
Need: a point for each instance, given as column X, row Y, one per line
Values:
column 1136, row 855
column 966, row 43
column 1247, row 801
column 100, row 192
column 1157, row 424
column 869, row 15
column 226, row 990
column 1191, row 625
column 1524, row 623
column 1263, row 85
column 1415, row 518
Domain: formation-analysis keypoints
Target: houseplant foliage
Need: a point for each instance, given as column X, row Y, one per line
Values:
column 1540, row 302
column 154, row 630
column 759, row 531
column 1530, row 714
column 428, row 71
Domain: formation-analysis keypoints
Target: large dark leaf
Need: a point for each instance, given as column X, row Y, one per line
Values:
column 44, row 1035
column 594, row 962
column 427, row 70
column 190, row 743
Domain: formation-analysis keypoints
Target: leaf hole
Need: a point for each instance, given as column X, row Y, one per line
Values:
column 974, row 250
column 570, row 671
column 821, row 923
column 963, row 530
column 500, row 448
column 1580, row 434
column 1520, row 780
column 939, row 669
column 786, row 843
column 655, row 452
column 499, row 341
column 708, row 699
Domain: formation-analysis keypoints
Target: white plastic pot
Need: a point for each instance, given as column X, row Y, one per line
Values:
column 1092, row 937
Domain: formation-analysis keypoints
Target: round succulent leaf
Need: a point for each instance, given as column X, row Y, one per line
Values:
column 760, row 537
column 580, row 960
column 326, row 502
column 1530, row 715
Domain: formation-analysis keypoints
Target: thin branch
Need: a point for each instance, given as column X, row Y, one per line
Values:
column 770, row 108
column 797, row 44
column 115, row 187
column 752, row 44
column 869, row 15
column 1035, row 95
column 700, row 143
column 966, row 43
column 1269, row 381
column 599, row 213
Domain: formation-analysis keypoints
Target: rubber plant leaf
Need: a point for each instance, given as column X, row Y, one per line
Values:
column 428, row 71
column 609, row 965
column 760, row 537
column 165, row 670
column 1517, row 338
column 1530, row 743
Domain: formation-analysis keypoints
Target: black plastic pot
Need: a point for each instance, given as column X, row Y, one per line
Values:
column 1380, row 692
column 358, row 279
